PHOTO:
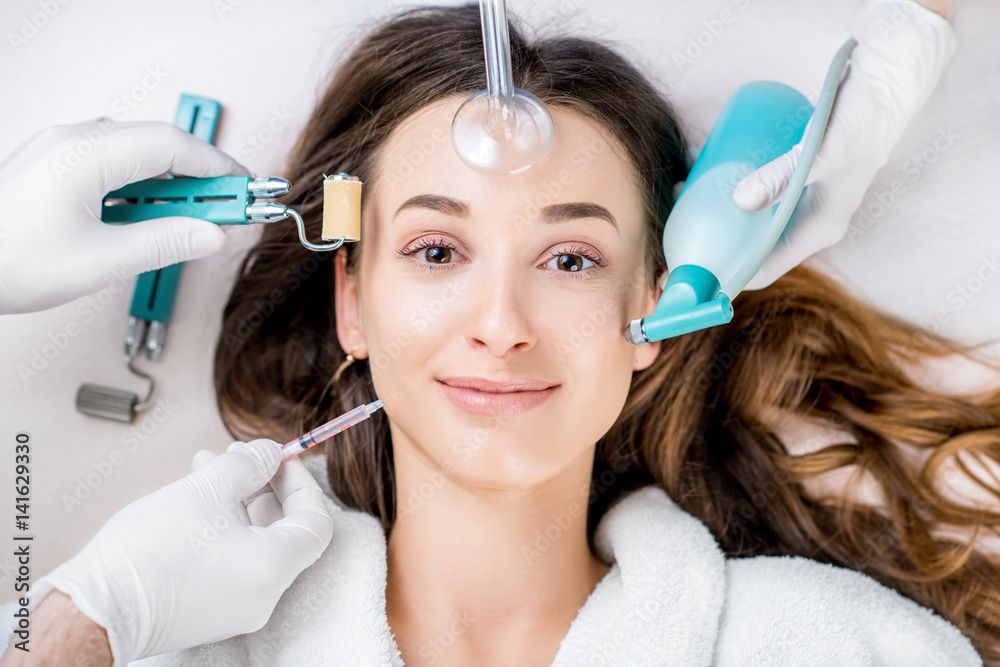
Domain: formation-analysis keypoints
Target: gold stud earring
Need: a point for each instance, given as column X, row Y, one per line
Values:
column 343, row 367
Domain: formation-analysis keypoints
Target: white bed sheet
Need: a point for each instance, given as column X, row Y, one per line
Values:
column 266, row 62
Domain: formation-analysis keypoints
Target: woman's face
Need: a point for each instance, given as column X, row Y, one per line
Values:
column 530, row 277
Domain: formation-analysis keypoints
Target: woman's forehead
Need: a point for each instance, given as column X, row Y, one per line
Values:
column 586, row 164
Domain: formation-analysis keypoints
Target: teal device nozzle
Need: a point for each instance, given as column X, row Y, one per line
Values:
column 712, row 246
column 691, row 301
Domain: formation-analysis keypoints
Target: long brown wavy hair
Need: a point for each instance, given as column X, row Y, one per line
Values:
column 701, row 421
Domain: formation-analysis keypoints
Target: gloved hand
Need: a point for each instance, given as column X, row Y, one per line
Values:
column 263, row 506
column 183, row 566
column 902, row 50
column 53, row 245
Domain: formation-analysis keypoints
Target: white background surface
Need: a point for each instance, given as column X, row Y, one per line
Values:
column 266, row 62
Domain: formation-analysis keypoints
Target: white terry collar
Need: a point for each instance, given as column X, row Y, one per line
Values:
column 660, row 603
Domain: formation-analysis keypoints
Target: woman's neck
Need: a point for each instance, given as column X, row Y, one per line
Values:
column 484, row 570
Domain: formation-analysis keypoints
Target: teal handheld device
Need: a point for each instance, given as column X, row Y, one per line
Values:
column 155, row 291
column 713, row 247
column 153, row 297
column 225, row 200
column 233, row 200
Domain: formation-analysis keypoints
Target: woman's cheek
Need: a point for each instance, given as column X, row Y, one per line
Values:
column 591, row 326
column 415, row 320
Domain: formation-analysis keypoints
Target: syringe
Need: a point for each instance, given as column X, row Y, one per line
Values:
column 330, row 429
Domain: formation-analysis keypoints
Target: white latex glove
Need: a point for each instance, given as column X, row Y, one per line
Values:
column 53, row 245
column 182, row 567
column 263, row 506
column 902, row 50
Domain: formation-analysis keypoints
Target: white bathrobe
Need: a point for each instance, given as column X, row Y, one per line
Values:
column 670, row 598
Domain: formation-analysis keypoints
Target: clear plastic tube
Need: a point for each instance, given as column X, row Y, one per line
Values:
column 330, row 429
column 501, row 130
column 496, row 42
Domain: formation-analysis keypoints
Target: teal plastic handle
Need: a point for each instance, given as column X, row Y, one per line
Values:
column 153, row 298
column 761, row 121
column 222, row 200
column 712, row 246
column 708, row 239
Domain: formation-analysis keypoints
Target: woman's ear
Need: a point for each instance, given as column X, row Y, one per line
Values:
column 646, row 354
column 350, row 329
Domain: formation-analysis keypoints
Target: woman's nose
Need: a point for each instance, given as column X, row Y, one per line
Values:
column 499, row 315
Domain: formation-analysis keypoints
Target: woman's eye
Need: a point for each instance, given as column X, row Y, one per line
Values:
column 578, row 261
column 438, row 254
column 430, row 253
column 434, row 254
column 571, row 262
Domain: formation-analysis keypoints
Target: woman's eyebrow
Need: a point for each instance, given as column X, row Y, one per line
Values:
column 553, row 213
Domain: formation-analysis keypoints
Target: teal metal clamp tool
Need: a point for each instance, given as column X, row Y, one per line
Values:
column 155, row 291
column 233, row 200
column 225, row 200
column 230, row 200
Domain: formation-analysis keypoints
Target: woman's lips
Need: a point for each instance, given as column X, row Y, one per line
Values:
column 487, row 403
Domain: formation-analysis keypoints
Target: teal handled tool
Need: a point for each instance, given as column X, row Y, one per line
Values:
column 224, row 200
column 234, row 200
column 237, row 200
column 153, row 298
column 712, row 246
